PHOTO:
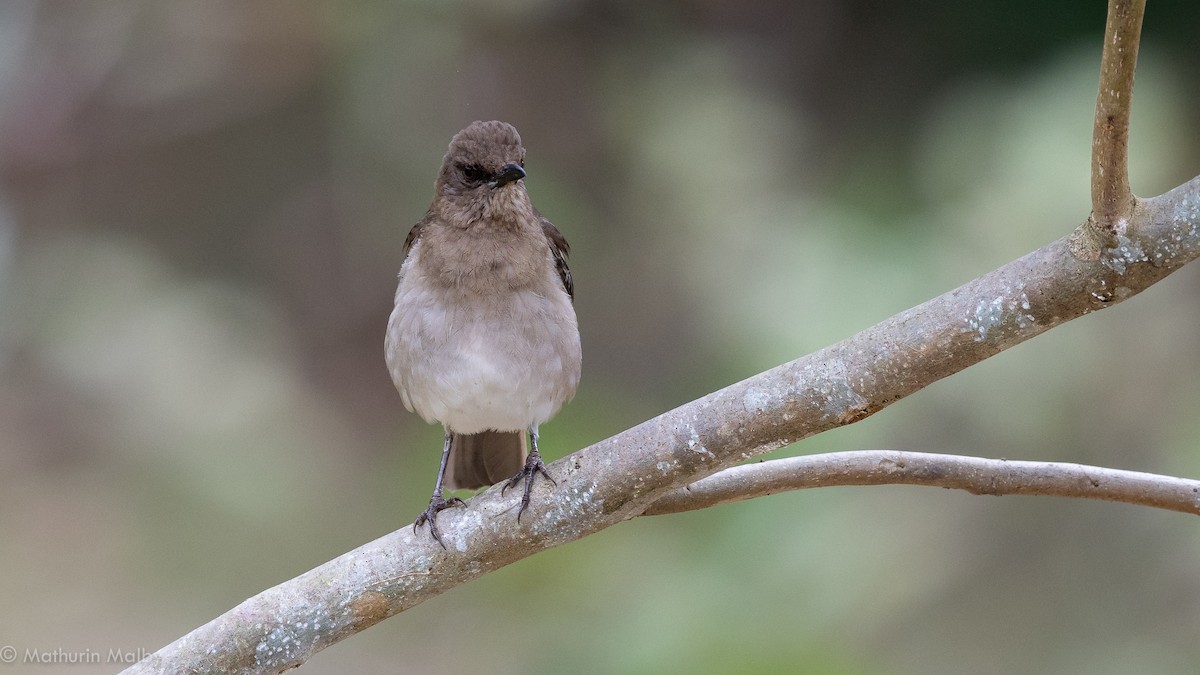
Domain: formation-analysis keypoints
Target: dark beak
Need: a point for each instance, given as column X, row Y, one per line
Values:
column 509, row 173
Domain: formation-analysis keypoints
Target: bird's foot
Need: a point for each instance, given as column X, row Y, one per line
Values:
column 436, row 503
column 533, row 466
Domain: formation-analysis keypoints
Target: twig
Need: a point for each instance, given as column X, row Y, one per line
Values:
column 1112, row 200
column 976, row 475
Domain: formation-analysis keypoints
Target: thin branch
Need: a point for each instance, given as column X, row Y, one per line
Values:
column 976, row 475
column 619, row 478
column 1112, row 199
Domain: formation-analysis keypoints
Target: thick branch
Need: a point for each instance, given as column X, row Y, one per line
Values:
column 976, row 475
column 619, row 478
column 1112, row 200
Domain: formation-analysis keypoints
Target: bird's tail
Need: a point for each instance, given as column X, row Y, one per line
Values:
column 479, row 460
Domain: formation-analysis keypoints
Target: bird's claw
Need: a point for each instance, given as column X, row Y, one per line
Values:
column 436, row 503
column 533, row 466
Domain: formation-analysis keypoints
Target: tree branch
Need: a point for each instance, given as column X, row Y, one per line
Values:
column 1112, row 200
column 976, row 475
column 620, row 478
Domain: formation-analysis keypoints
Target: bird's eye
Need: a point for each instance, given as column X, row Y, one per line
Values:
column 473, row 173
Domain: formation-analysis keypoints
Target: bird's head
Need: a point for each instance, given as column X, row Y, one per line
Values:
column 483, row 160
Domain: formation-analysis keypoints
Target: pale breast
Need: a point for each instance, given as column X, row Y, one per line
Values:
column 503, row 360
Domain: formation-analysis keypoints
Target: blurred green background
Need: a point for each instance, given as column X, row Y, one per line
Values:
column 202, row 206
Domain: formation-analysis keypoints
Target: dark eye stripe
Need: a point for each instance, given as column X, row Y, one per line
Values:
column 473, row 173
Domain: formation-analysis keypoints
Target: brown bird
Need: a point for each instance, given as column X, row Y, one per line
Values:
column 483, row 337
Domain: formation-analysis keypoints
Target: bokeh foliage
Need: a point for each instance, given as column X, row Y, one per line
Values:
column 201, row 211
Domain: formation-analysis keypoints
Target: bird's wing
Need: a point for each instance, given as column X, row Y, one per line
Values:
column 560, row 249
column 415, row 233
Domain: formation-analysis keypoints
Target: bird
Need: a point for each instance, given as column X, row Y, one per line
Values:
column 483, row 337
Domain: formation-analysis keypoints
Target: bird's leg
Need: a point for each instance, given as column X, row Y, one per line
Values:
column 437, row 502
column 533, row 466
